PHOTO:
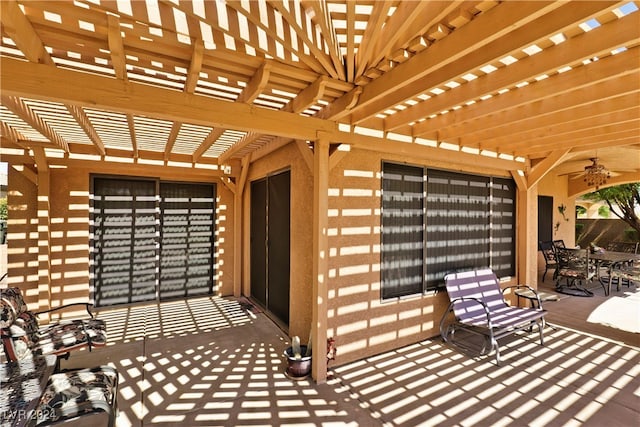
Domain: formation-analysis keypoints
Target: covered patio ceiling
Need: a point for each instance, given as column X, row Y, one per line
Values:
column 535, row 86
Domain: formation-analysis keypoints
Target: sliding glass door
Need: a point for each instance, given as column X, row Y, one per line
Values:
column 151, row 240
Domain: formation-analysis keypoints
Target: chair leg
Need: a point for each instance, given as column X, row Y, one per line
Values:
column 495, row 345
column 541, row 329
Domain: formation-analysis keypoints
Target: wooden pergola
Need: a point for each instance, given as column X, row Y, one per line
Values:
column 530, row 88
column 548, row 83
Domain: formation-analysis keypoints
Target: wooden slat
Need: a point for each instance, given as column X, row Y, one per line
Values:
column 374, row 26
column 20, row 109
column 85, row 123
column 473, row 118
column 387, row 90
column 596, row 43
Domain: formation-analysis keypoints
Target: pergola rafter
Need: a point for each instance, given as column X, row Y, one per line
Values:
column 473, row 74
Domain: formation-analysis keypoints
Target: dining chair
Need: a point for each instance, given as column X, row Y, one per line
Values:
column 576, row 270
column 550, row 258
column 627, row 247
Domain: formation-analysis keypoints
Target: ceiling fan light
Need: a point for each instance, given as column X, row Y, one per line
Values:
column 596, row 174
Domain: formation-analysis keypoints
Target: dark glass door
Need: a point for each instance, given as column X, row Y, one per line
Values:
column 545, row 218
column 270, row 243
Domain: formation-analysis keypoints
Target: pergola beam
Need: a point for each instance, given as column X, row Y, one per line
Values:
column 546, row 109
column 482, row 115
column 376, row 21
column 256, row 85
column 489, row 27
column 195, row 66
column 588, row 45
column 36, row 81
column 539, row 170
column 207, row 143
column 85, row 123
column 309, row 96
column 19, row 28
column 322, row 57
column 116, row 47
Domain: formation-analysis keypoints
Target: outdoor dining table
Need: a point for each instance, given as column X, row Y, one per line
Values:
column 611, row 260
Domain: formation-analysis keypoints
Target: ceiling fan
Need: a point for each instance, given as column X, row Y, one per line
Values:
column 595, row 174
column 587, row 168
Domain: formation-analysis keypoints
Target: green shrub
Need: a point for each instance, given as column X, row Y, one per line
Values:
column 3, row 208
column 631, row 235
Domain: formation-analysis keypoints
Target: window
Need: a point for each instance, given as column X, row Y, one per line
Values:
column 402, row 230
column 435, row 222
column 151, row 240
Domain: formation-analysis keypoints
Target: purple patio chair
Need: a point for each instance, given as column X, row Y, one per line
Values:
column 480, row 310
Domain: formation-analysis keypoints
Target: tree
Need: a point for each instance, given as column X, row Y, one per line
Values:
column 623, row 201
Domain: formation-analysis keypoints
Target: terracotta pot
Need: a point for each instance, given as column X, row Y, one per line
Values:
column 297, row 368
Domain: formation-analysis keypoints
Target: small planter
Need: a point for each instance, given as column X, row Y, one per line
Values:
column 297, row 367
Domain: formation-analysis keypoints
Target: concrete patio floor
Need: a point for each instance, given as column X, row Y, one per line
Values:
column 212, row 362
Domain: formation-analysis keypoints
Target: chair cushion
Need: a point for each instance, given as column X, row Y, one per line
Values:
column 77, row 393
column 66, row 335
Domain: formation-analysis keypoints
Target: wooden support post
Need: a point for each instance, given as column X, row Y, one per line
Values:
column 527, row 236
column 237, row 228
column 320, row 257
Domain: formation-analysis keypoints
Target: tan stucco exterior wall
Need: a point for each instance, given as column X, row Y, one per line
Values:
column 359, row 321
column 557, row 187
column 22, row 237
column 300, row 279
column 69, row 218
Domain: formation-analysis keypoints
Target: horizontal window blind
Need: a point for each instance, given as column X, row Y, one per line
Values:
column 435, row 222
column 151, row 240
column 402, row 230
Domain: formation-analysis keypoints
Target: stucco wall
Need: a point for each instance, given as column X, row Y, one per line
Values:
column 69, row 229
column 22, row 237
column 301, row 237
column 361, row 323
column 557, row 187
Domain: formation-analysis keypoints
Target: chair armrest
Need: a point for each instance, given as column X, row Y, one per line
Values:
column 527, row 287
column 87, row 305
column 476, row 300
